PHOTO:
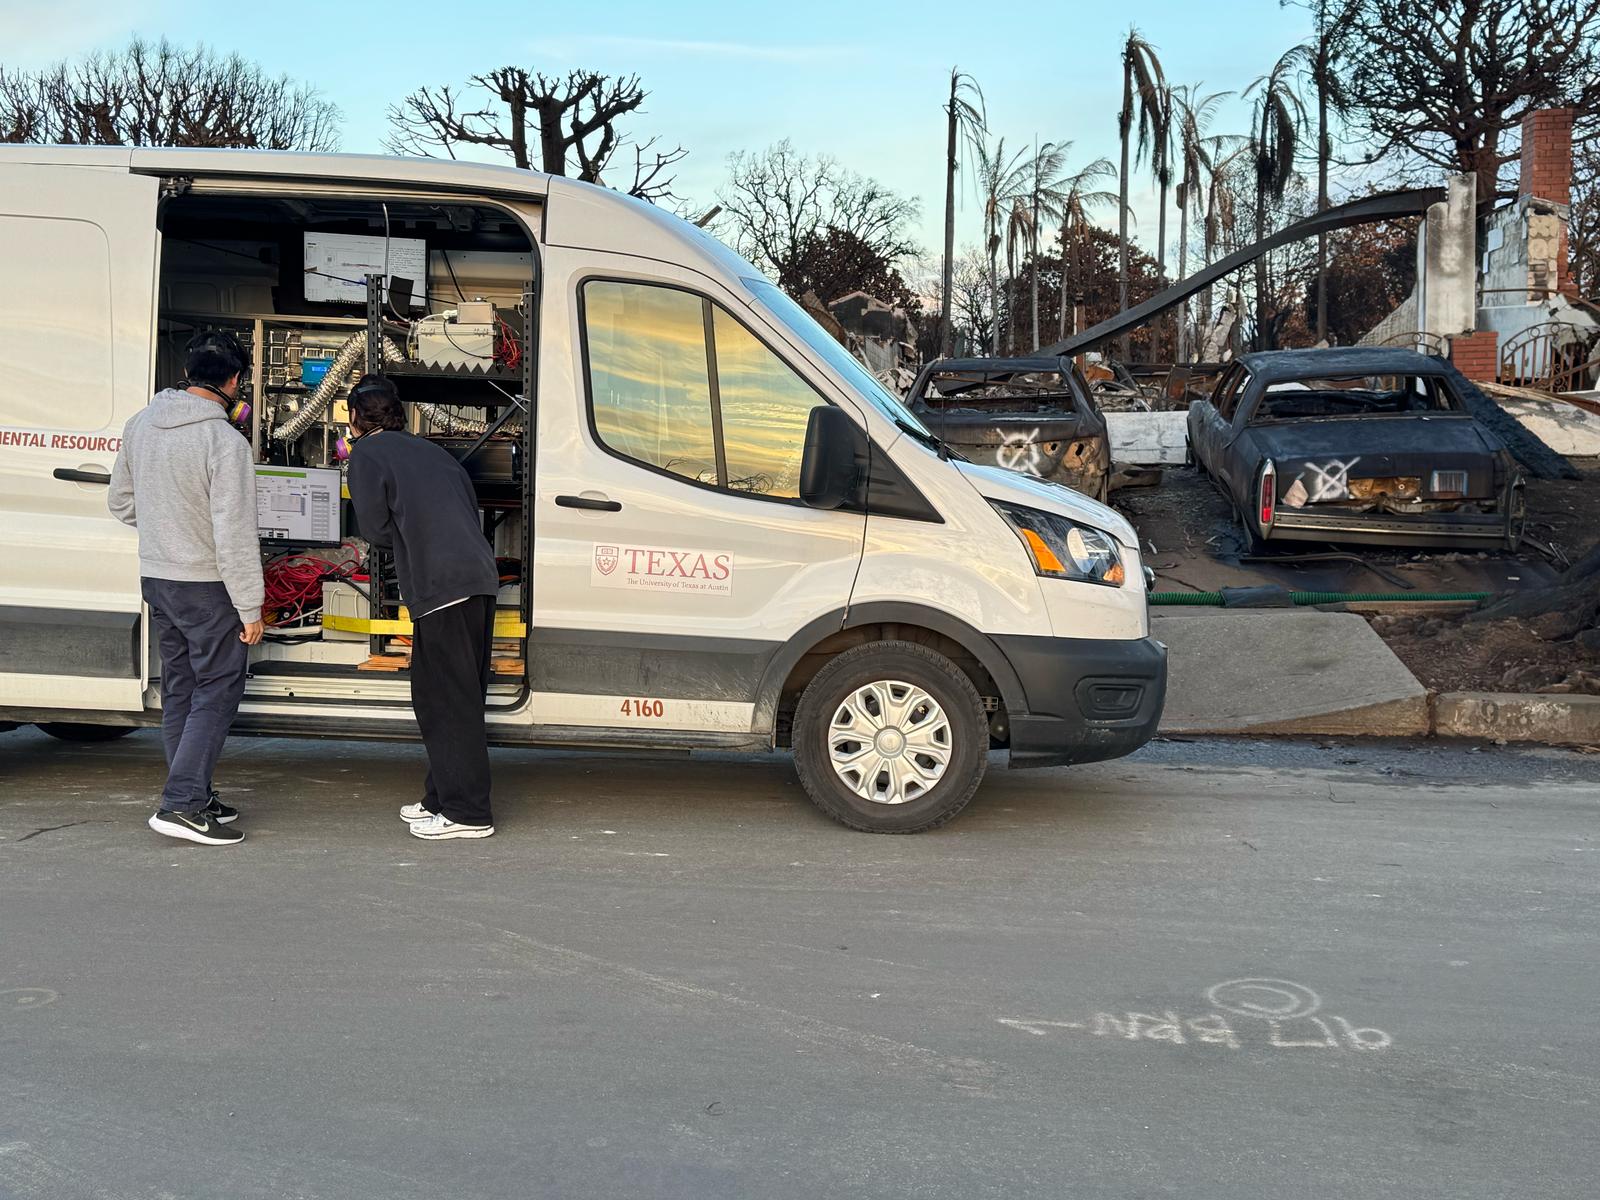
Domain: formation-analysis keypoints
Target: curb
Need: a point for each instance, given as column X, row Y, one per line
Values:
column 1407, row 717
column 1529, row 717
column 1554, row 720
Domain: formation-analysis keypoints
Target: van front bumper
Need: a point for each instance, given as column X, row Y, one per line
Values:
column 1088, row 699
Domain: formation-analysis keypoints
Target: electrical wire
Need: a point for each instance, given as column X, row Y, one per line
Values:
column 445, row 255
column 294, row 583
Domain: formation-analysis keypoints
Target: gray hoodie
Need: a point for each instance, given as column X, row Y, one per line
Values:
column 184, row 477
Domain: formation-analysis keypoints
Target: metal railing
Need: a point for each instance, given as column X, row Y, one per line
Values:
column 1544, row 356
column 1419, row 340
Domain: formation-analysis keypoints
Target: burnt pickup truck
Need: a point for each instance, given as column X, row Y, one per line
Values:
column 1357, row 444
column 1034, row 415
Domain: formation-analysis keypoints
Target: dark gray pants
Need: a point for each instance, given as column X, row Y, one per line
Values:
column 202, row 681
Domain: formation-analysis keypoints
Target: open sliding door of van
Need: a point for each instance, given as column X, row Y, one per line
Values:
column 78, row 260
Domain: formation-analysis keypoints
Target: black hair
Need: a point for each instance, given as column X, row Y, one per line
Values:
column 214, row 356
column 375, row 403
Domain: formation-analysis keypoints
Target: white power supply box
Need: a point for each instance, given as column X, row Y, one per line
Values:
column 463, row 338
column 343, row 600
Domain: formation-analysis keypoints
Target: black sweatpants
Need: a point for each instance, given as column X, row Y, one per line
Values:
column 449, row 680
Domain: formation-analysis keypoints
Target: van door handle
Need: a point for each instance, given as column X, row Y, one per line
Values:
column 587, row 502
column 73, row 475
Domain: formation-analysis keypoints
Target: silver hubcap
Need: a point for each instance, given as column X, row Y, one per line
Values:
column 889, row 742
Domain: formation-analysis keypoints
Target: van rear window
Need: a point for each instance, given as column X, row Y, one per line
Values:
column 55, row 335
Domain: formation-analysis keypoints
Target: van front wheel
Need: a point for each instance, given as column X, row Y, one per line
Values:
column 890, row 737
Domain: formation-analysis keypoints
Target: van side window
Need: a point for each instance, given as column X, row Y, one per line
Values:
column 765, row 410
column 649, row 377
column 55, row 340
column 678, row 384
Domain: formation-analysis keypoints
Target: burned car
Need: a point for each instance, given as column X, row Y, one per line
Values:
column 1034, row 415
column 1356, row 444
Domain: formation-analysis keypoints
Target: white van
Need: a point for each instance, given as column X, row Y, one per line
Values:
column 734, row 537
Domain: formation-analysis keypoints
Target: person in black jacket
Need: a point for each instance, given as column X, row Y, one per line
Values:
column 413, row 497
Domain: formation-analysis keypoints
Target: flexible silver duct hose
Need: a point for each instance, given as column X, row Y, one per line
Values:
column 339, row 372
column 322, row 395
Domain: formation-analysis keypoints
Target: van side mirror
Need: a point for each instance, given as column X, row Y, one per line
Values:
column 833, row 467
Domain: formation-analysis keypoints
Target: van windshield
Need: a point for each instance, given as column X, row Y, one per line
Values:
column 797, row 321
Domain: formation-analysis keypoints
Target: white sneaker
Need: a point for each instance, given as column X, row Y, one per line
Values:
column 439, row 828
column 412, row 813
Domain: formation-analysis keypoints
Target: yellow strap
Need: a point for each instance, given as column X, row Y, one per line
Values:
column 364, row 624
column 506, row 625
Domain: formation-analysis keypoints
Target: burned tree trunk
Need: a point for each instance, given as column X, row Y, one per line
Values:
column 1560, row 611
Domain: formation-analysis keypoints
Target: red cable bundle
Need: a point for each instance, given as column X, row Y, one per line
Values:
column 294, row 582
column 508, row 353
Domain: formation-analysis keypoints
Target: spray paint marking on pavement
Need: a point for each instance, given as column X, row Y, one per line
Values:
column 19, row 999
column 1279, row 1015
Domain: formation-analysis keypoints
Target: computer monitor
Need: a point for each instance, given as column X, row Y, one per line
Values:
column 298, row 505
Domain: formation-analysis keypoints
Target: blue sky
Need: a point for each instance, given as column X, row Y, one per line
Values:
column 861, row 82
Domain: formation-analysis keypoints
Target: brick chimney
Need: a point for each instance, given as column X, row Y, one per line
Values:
column 1547, row 173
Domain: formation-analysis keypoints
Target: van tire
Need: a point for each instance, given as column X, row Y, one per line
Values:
column 918, row 667
column 68, row 732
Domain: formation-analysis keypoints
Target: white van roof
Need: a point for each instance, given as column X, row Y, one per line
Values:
column 577, row 214
column 370, row 168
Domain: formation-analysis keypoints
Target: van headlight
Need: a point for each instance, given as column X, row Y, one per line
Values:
column 1063, row 549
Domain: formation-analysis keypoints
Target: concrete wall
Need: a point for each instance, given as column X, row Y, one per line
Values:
column 1444, row 301
column 1447, row 260
column 1402, row 320
column 1523, row 253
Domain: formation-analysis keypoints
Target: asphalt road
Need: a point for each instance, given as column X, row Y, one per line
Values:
column 677, row 979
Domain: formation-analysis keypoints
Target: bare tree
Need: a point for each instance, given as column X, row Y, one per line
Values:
column 159, row 94
column 567, row 124
column 972, row 298
column 779, row 205
column 1447, row 82
column 1583, row 231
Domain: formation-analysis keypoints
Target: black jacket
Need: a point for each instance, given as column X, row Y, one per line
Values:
column 413, row 497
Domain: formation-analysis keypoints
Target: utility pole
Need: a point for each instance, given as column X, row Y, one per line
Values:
column 1323, row 150
column 945, row 347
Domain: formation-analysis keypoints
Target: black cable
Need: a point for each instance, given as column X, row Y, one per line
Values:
column 445, row 254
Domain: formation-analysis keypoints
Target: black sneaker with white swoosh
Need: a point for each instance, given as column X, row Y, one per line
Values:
column 199, row 827
column 223, row 813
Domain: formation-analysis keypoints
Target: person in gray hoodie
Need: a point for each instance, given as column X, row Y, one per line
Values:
column 185, row 479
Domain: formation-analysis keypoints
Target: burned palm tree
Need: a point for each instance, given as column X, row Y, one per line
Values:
column 1082, row 198
column 1278, row 125
column 1002, row 181
column 965, row 122
column 1142, row 87
column 1051, row 189
column 1197, row 155
column 1219, row 235
column 1021, row 232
